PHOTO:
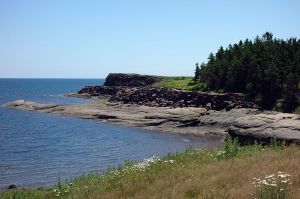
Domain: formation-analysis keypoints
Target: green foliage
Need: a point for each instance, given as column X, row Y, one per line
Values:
column 276, row 144
column 186, row 83
column 197, row 73
column 231, row 148
column 176, row 82
column 265, row 69
column 191, row 194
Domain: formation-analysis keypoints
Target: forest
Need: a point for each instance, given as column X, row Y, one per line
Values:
column 266, row 70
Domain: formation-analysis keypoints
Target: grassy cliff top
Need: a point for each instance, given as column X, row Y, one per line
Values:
column 181, row 82
column 175, row 82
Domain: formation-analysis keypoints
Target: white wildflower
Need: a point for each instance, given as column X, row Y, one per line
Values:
column 270, row 176
column 147, row 162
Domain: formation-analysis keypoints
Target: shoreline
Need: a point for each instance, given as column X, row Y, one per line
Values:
column 246, row 124
column 127, row 115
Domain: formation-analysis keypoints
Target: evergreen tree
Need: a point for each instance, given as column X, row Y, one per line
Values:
column 197, row 73
column 265, row 69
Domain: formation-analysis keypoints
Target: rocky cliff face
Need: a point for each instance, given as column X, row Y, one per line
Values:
column 131, row 80
column 99, row 90
column 135, row 89
column 169, row 97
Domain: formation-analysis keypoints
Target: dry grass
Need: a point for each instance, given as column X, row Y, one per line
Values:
column 223, row 179
column 194, row 174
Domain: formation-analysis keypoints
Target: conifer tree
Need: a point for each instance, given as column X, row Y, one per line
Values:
column 266, row 69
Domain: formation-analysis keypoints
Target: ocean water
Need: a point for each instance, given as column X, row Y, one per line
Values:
column 36, row 149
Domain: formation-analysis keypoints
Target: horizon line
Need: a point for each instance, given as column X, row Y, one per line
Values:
column 52, row 77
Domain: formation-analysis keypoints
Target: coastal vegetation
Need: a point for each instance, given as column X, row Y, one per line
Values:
column 266, row 70
column 229, row 172
column 175, row 82
column 183, row 82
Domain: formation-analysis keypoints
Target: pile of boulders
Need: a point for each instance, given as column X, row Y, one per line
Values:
column 138, row 89
column 99, row 90
column 169, row 97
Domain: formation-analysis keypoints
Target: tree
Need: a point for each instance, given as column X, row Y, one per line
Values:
column 265, row 69
column 197, row 72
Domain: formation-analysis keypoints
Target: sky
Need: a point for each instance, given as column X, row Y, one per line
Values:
column 89, row 39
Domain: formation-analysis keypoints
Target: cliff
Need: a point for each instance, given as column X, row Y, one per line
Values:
column 131, row 80
column 137, row 89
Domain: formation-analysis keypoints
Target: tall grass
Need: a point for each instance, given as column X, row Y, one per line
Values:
column 227, row 172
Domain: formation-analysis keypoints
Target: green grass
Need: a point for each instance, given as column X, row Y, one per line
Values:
column 227, row 172
column 183, row 82
column 175, row 82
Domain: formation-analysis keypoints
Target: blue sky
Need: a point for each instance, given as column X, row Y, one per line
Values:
column 89, row 39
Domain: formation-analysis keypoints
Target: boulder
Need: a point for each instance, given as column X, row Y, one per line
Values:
column 11, row 186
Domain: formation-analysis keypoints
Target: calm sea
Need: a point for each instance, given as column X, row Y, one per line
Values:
column 36, row 149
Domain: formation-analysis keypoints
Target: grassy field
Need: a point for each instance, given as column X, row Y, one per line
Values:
column 222, row 173
column 183, row 82
column 176, row 82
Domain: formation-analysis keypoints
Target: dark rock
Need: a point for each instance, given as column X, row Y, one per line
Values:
column 99, row 90
column 190, row 123
column 151, row 96
column 12, row 186
column 131, row 80
column 169, row 97
column 135, row 89
column 101, row 116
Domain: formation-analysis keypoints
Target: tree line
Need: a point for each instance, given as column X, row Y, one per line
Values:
column 266, row 69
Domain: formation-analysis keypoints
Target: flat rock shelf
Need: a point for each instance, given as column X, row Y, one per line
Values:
column 246, row 124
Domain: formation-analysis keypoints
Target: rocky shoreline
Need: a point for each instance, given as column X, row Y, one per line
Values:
column 166, row 97
column 248, row 125
column 140, row 105
column 127, row 89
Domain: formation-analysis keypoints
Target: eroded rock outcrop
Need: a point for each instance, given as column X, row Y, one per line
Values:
column 131, row 80
column 169, row 97
column 99, row 90
column 265, row 126
column 137, row 89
